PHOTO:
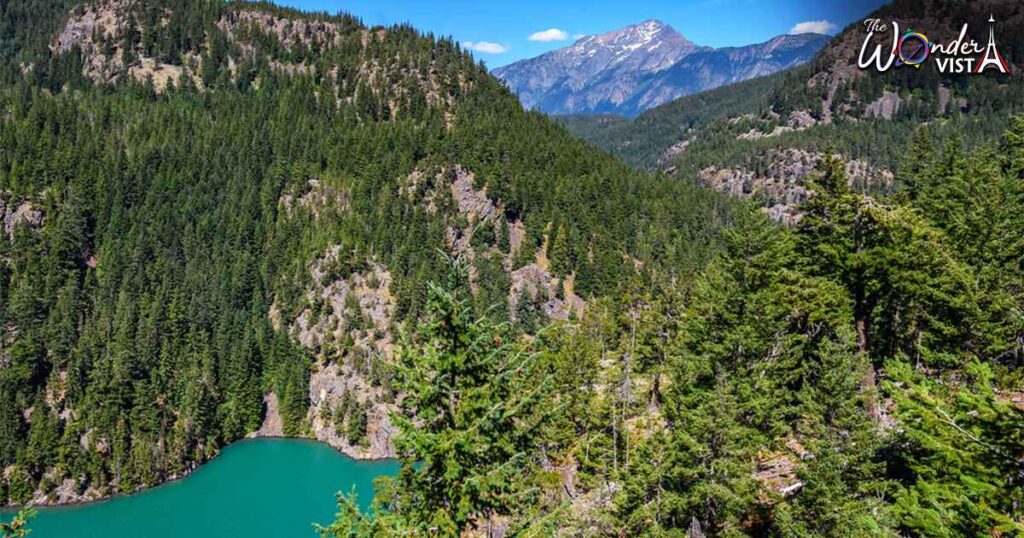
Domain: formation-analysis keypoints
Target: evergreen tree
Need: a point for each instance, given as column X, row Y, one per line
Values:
column 470, row 420
column 964, row 446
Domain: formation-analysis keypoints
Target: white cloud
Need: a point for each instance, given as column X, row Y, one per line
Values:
column 486, row 47
column 815, row 27
column 579, row 36
column 551, row 34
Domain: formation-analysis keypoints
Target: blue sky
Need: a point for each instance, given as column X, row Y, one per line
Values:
column 500, row 30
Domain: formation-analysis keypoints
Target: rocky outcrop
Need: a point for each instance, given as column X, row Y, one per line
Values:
column 884, row 107
column 14, row 214
column 88, row 29
column 535, row 282
column 783, row 187
column 102, row 33
column 66, row 491
column 346, row 315
column 347, row 326
column 288, row 32
column 470, row 202
column 329, row 385
column 272, row 425
column 798, row 120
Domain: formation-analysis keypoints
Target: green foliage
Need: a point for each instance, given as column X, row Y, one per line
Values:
column 720, row 383
column 785, row 334
column 355, row 430
column 17, row 527
column 172, row 221
column 473, row 409
column 964, row 444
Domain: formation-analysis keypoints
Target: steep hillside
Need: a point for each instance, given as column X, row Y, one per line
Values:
column 232, row 210
column 223, row 220
column 864, row 115
column 638, row 67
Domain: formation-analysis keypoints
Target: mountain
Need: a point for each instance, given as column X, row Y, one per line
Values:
column 222, row 220
column 761, row 137
column 229, row 219
column 597, row 72
column 641, row 66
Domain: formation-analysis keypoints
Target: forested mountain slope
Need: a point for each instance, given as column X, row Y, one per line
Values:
column 208, row 205
column 221, row 219
column 758, row 137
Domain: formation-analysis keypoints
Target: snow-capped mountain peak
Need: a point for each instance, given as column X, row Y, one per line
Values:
column 647, row 37
column 607, row 72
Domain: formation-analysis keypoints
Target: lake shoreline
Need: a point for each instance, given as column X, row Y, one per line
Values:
column 257, row 488
column 194, row 466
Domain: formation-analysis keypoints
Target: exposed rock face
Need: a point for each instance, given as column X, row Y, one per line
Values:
column 14, row 214
column 347, row 313
column 82, row 29
column 472, row 203
column 475, row 207
column 635, row 68
column 885, row 106
column 348, row 328
column 66, row 492
column 272, row 425
column 358, row 305
column 328, row 386
column 782, row 188
column 535, row 281
column 289, row 32
column 798, row 121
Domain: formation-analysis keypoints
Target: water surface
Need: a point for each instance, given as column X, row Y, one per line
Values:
column 255, row 488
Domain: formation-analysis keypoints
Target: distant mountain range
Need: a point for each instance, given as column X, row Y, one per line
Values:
column 762, row 138
column 641, row 66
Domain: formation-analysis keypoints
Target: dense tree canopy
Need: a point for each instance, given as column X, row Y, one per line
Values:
column 856, row 374
column 137, row 335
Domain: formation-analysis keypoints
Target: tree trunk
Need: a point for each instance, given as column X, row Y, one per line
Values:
column 655, row 391
column 868, row 383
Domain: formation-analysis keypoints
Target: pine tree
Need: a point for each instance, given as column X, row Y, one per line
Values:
column 471, row 416
column 912, row 174
column 561, row 264
column 965, row 446
column 17, row 527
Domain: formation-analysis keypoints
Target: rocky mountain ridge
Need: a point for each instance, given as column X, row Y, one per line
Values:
column 641, row 66
column 766, row 126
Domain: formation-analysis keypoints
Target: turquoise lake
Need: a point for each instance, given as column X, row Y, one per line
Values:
column 255, row 488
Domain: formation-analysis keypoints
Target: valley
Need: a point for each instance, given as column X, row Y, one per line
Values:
column 782, row 300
